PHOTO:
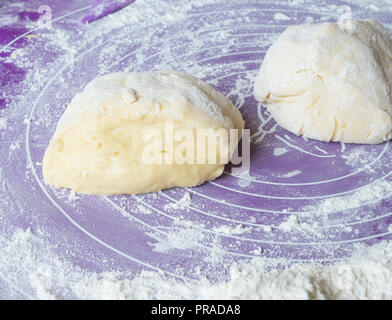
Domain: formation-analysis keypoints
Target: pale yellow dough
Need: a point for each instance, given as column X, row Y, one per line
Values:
column 98, row 143
column 330, row 82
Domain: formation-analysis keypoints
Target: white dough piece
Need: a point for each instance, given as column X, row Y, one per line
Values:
column 98, row 144
column 330, row 83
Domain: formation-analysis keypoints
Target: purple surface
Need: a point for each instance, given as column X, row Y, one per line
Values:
column 113, row 233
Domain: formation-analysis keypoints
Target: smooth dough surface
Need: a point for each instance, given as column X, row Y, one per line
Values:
column 330, row 83
column 98, row 143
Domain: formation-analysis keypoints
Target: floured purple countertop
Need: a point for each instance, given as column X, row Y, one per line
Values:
column 303, row 200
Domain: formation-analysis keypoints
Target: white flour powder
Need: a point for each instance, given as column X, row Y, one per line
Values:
column 32, row 267
column 183, row 203
column 367, row 275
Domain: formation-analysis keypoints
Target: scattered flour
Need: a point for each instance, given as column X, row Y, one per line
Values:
column 312, row 220
column 143, row 209
column 267, row 228
column 15, row 145
column 289, row 224
column 291, row 174
column 183, row 203
column 281, row 16
column 34, row 268
column 280, row 151
column 183, row 234
column 237, row 229
column 366, row 275
column 3, row 123
column 356, row 157
column 365, row 195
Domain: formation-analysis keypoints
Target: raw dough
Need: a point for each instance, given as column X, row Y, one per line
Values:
column 98, row 143
column 329, row 83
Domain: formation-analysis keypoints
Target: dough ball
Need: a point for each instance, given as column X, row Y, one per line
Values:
column 329, row 83
column 99, row 143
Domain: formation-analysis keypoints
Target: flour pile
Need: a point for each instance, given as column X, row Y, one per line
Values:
column 367, row 275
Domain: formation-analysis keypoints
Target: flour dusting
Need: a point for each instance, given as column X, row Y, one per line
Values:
column 317, row 235
column 366, row 275
column 183, row 203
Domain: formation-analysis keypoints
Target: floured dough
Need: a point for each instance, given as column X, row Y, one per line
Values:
column 330, row 83
column 98, row 144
